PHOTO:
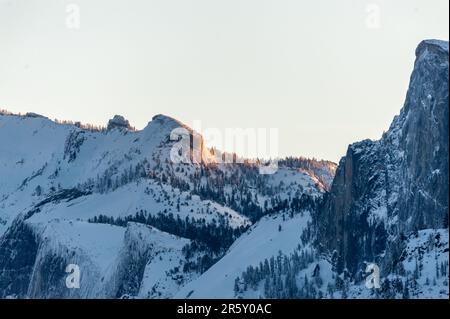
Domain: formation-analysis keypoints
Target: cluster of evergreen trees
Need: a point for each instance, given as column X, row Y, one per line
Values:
column 216, row 236
column 111, row 179
column 241, row 189
column 278, row 277
column 199, row 257
column 305, row 163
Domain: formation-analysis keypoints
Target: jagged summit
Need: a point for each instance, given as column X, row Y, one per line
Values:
column 118, row 121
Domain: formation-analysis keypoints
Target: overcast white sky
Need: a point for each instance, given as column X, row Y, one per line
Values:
column 326, row 73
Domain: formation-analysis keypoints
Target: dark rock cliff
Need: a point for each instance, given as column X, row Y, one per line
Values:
column 18, row 249
column 384, row 189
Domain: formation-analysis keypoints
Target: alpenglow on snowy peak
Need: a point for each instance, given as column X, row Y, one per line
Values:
column 136, row 224
column 113, row 203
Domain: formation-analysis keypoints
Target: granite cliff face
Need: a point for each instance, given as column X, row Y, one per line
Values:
column 387, row 188
column 18, row 249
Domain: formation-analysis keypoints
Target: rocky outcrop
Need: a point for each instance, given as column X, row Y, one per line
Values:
column 384, row 189
column 119, row 122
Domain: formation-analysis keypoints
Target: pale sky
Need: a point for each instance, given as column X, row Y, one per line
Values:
column 326, row 73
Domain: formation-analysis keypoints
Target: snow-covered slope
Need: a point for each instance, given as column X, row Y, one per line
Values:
column 263, row 240
column 423, row 273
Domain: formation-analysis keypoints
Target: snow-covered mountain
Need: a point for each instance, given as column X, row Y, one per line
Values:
column 112, row 201
column 137, row 224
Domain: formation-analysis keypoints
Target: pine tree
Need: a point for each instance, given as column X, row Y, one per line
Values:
column 344, row 292
column 267, row 291
column 437, row 268
column 405, row 294
column 236, row 285
column 445, row 221
column 38, row 190
column 330, row 291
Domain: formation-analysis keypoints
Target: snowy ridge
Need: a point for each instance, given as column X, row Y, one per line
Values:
column 89, row 196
